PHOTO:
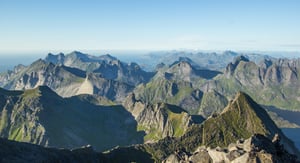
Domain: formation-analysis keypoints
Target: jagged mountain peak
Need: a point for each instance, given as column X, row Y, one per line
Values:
column 39, row 61
column 55, row 58
column 108, row 57
column 240, row 119
column 59, row 54
column 90, row 58
column 231, row 67
column 243, row 103
column 266, row 63
column 184, row 70
column 181, row 64
column 40, row 64
column 240, row 58
column 181, row 69
column 77, row 53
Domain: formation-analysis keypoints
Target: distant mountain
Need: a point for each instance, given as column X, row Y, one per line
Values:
column 272, row 82
column 212, row 102
column 66, row 81
column 177, row 84
column 160, row 120
column 108, row 66
column 204, row 60
column 241, row 119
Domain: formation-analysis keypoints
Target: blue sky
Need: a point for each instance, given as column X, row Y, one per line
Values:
column 58, row 25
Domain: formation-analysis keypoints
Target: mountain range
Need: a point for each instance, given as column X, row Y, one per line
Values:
column 180, row 111
column 240, row 119
column 198, row 59
column 242, row 132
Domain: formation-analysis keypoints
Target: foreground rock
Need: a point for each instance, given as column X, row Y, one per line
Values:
column 257, row 148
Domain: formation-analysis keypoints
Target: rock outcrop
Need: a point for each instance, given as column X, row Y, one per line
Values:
column 158, row 120
column 257, row 148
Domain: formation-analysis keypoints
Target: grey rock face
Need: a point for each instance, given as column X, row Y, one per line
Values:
column 65, row 81
column 257, row 148
column 109, row 67
column 158, row 120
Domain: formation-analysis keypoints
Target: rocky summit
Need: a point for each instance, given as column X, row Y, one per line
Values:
column 241, row 119
column 257, row 148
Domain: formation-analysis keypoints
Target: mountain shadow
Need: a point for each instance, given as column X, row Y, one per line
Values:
column 40, row 116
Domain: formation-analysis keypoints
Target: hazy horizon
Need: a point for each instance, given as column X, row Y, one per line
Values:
column 9, row 60
column 150, row 25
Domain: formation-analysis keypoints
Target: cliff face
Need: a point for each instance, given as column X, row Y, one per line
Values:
column 158, row 120
column 271, row 82
column 267, row 72
column 108, row 66
column 65, row 81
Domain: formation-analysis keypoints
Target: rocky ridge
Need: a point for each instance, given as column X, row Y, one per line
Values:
column 108, row 66
column 241, row 119
column 65, row 81
column 158, row 120
column 257, row 148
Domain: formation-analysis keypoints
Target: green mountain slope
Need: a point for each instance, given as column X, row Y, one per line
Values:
column 159, row 120
column 240, row 120
column 178, row 85
column 42, row 117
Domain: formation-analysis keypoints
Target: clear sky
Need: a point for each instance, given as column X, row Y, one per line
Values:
column 49, row 25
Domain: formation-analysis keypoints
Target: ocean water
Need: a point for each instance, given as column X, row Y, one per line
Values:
column 293, row 134
column 9, row 61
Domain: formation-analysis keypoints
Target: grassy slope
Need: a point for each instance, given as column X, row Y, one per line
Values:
column 41, row 116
